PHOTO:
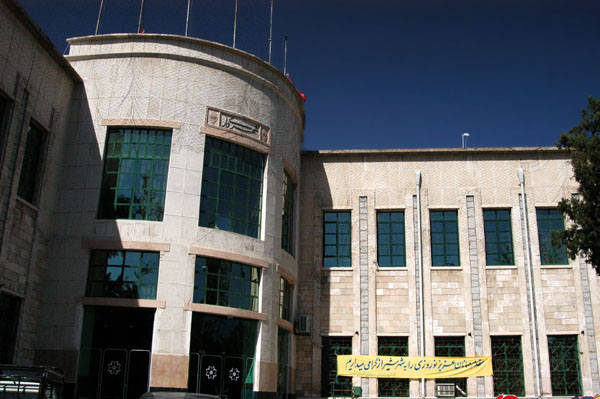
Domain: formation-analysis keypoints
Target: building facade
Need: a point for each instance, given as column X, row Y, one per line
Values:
column 161, row 229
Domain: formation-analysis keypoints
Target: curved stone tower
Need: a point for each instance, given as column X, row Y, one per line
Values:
column 180, row 175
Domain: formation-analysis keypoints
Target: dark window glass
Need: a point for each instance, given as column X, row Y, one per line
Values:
column 507, row 362
column 285, row 299
column 136, row 162
column 393, row 346
column 565, row 374
column 231, row 196
column 123, row 274
column 391, row 249
column 32, row 164
column 4, row 108
column 336, row 239
column 283, row 364
column 452, row 347
column 548, row 221
column 225, row 283
column 332, row 384
column 287, row 214
column 10, row 307
column 444, row 238
column 498, row 237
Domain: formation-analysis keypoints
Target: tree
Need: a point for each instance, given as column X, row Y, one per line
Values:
column 583, row 143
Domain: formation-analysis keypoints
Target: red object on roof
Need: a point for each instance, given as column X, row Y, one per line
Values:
column 302, row 95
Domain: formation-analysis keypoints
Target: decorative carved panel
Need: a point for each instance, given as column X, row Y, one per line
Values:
column 238, row 124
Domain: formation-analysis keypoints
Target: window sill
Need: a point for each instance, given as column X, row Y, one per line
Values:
column 501, row 267
column 123, row 302
column 28, row 204
column 455, row 268
column 336, row 269
column 556, row 267
column 391, row 268
column 285, row 324
column 224, row 311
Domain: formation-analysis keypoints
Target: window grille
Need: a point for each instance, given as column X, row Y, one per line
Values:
column 565, row 373
column 507, row 362
column 452, row 347
column 393, row 346
column 332, row 384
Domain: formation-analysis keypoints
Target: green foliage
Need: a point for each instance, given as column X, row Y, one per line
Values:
column 583, row 143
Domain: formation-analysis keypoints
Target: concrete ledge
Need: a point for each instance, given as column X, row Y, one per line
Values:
column 117, row 244
column 232, row 256
column 140, row 123
column 286, row 325
column 286, row 274
column 123, row 302
column 224, row 311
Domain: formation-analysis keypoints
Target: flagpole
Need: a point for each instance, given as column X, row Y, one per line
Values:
column 187, row 18
column 141, row 17
column 271, row 32
column 285, row 56
column 235, row 23
column 99, row 16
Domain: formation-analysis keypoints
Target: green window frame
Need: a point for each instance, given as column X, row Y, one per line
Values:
column 285, row 299
column 288, row 222
column 444, row 238
column 507, row 362
column 232, row 185
column 123, row 274
column 134, row 182
column 391, row 247
column 393, row 346
column 565, row 373
column 451, row 347
column 333, row 385
column 31, row 168
column 549, row 221
column 498, row 237
column 337, row 239
column 225, row 283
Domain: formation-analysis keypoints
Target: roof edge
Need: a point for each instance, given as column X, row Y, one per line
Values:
column 482, row 150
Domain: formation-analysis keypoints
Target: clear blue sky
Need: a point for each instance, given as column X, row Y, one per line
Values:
column 395, row 73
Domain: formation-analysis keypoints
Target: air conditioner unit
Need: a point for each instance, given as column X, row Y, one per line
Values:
column 303, row 325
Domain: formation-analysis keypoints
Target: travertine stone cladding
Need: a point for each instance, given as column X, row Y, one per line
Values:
column 393, row 304
column 448, row 302
column 337, row 299
column 504, row 301
column 560, row 302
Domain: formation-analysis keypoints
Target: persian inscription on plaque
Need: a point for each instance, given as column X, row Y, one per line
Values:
column 238, row 124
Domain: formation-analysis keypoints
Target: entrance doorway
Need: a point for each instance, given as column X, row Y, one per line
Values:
column 222, row 356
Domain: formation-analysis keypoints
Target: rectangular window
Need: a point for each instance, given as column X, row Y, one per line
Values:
column 444, row 238
column 287, row 214
column 549, row 221
column 336, row 239
column 136, row 163
column 10, row 308
column 225, row 283
column 498, row 237
column 391, row 249
column 285, row 299
column 393, row 346
column 565, row 374
column 283, row 364
column 123, row 274
column 31, row 168
column 231, row 196
column 507, row 362
column 332, row 384
column 452, row 347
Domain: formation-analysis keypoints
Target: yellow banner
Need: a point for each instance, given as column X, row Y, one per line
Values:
column 413, row 367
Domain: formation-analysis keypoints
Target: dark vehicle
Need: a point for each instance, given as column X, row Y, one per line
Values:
column 177, row 395
column 30, row 382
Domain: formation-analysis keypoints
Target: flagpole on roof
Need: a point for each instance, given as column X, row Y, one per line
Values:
column 271, row 32
column 141, row 17
column 285, row 55
column 235, row 22
column 187, row 18
column 99, row 16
